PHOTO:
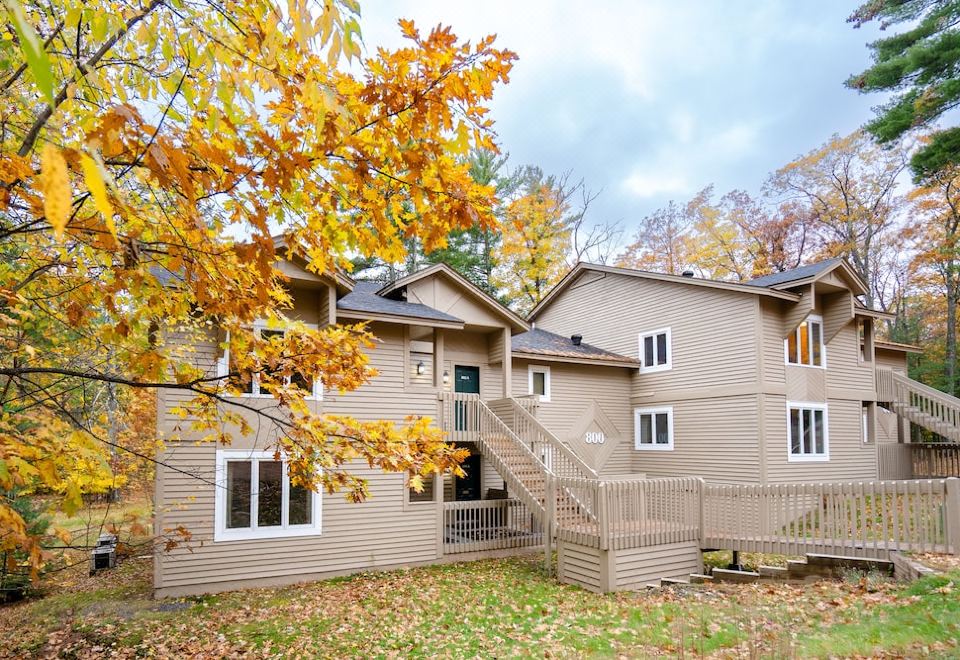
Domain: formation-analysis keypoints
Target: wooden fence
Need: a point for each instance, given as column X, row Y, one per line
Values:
column 919, row 460
column 472, row 526
column 630, row 513
column 863, row 519
column 935, row 459
column 866, row 519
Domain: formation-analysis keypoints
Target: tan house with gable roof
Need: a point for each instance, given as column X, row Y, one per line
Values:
column 616, row 374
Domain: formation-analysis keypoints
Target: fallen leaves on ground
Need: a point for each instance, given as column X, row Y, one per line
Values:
column 494, row 608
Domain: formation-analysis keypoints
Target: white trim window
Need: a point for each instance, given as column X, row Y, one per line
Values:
column 253, row 387
column 804, row 347
column 653, row 428
column 656, row 351
column 539, row 382
column 255, row 499
column 808, row 437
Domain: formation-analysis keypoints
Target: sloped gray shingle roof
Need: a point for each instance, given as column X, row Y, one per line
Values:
column 364, row 298
column 801, row 273
column 541, row 342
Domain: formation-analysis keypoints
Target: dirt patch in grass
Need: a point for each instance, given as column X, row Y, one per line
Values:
column 496, row 608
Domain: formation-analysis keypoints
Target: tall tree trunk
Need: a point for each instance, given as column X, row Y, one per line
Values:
column 950, row 277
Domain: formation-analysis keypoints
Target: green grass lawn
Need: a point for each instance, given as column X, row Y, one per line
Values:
column 496, row 608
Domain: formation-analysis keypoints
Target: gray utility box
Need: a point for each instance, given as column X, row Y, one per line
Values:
column 105, row 554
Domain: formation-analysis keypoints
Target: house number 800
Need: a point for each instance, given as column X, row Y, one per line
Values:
column 595, row 438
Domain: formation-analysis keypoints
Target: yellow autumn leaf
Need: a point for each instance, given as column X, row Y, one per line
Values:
column 98, row 190
column 56, row 188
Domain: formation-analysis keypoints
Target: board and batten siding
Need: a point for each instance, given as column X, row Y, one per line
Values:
column 586, row 398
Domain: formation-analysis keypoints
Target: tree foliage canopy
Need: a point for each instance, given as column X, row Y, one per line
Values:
column 921, row 65
column 150, row 152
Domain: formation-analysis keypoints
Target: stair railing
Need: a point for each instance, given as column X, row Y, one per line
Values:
column 923, row 405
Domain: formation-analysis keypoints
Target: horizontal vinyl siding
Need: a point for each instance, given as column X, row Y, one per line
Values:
column 575, row 391
column 636, row 567
column 713, row 332
column 895, row 360
column 354, row 536
column 846, row 375
column 716, row 439
column 578, row 564
column 850, row 457
column 379, row 532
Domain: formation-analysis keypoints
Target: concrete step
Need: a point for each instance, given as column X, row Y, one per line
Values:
column 774, row 572
column 727, row 575
column 850, row 563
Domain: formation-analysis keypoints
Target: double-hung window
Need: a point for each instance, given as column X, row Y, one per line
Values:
column 804, row 346
column 539, row 382
column 807, row 435
column 655, row 351
column 653, row 428
column 255, row 499
column 252, row 386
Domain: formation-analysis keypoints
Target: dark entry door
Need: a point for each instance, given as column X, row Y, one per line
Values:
column 468, row 487
column 466, row 380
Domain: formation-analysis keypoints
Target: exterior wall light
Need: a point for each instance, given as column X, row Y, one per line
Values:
column 421, row 368
column 446, row 377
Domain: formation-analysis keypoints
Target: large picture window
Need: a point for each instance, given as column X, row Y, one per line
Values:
column 255, row 499
column 807, row 434
column 653, row 428
column 805, row 346
column 655, row 351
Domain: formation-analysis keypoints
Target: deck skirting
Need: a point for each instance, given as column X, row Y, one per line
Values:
column 626, row 569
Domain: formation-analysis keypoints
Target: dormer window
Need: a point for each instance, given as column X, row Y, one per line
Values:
column 804, row 346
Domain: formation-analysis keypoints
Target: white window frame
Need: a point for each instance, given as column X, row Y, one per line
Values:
column 809, row 458
column 656, row 367
column 537, row 369
column 223, row 366
column 224, row 533
column 637, row 413
column 815, row 318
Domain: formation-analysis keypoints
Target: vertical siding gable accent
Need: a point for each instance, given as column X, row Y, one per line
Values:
column 837, row 313
column 795, row 314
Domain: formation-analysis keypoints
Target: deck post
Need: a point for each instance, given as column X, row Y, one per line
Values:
column 549, row 520
column 951, row 513
column 702, row 494
column 603, row 516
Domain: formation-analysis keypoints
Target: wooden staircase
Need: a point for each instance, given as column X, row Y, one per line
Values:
column 524, row 464
column 922, row 405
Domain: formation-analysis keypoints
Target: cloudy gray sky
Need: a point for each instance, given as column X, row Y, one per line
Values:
column 653, row 100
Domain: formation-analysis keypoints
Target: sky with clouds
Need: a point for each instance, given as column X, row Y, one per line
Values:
column 652, row 100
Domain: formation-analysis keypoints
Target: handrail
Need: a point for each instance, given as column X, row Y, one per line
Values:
column 480, row 422
column 574, row 466
column 926, row 390
column 936, row 411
